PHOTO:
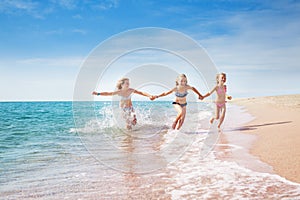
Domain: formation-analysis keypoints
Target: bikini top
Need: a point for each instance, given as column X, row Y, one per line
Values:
column 181, row 95
column 123, row 98
column 221, row 90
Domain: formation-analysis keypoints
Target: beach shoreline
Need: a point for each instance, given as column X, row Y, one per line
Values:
column 45, row 158
column 270, row 135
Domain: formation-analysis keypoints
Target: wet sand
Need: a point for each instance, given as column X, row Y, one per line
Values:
column 276, row 127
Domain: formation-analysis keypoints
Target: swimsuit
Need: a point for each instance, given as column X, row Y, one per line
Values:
column 220, row 105
column 129, row 116
column 125, row 98
column 182, row 105
column 129, row 111
column 181, row 95
column 221, row 91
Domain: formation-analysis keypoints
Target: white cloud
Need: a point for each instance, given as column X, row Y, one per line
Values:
column 260, row 38
column 54, row 32
column 39, row 9
column 68, row 4
column 105, row 4
column 63, row 31
column 81, row 31
column 77, row 16
column 18, row 7
column 39, row 78
column 54, row 62
column 257, row 49
column 28, row 6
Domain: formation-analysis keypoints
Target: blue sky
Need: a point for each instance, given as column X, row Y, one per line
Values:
column 43, row 43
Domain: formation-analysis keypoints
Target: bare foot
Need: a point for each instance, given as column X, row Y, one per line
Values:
column 134, row 121
column 128, row 127
column 174, row 125
column 180, row 122
column 211, row 120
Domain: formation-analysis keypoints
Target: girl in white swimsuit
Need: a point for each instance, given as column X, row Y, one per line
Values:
column 125, row 93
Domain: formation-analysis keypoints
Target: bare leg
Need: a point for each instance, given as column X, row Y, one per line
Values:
column 217, row 111
column 129, row 121
column 134, row 121
column 176, row 122
column 179, row 113
column 222, row 116
column 181, row 120
column 129, row 127
column 128, row 124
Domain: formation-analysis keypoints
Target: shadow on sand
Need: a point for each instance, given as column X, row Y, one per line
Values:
column 256, row 126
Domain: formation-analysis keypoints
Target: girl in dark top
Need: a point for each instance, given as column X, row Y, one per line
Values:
column 181, row 91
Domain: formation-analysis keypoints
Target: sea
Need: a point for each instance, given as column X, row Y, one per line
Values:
column 83, row 150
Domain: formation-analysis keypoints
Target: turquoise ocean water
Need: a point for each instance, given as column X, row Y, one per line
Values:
column 61, row 150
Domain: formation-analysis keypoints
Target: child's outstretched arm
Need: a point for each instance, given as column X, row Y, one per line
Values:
column 165, row 93
column 142, row 93
column 105, row 93
column 197, row 92
column 209, row 93
column 151, row 97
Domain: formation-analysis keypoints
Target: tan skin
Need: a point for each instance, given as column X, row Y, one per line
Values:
column 125, row 91
column 181, row 111
column 221, row 100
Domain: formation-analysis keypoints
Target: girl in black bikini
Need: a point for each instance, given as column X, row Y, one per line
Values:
column 180, row 99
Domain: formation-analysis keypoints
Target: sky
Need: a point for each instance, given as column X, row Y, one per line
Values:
column 43, row 44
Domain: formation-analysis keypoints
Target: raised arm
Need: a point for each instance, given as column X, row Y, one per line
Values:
column 196, row 91
column 165, row 93
column 142, row 93
column 209, row 93
column 106, row 93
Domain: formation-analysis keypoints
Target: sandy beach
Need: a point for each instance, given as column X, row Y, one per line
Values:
column 276, row 125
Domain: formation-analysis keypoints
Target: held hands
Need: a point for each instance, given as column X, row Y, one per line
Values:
column 152, row 97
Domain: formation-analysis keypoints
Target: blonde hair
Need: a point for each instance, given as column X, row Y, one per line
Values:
column 218, row 75
column 179, row 77
column 121, row 82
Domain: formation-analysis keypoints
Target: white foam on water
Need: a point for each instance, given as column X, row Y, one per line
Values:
column 213, row 178
column 197, row 174
column 210, row 178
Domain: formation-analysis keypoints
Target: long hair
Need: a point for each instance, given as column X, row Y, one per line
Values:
column 218, row 75
column 121, row 82
column 180, row 76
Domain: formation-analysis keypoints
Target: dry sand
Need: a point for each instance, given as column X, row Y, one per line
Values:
column 277, row 126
